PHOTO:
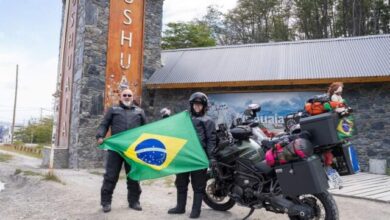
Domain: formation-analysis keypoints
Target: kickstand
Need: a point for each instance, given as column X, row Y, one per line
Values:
column 249, row 214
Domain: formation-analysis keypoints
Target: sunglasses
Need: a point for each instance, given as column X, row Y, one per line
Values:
column 127, row 95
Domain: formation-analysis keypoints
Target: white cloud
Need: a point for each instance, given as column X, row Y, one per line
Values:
column 36, row 85
column 186, row 10
column 38, row 71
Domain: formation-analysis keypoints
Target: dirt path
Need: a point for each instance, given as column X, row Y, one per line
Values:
column 27, row 196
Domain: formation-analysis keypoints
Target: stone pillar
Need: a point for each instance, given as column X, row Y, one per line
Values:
column 152, row 51
column 89, row 71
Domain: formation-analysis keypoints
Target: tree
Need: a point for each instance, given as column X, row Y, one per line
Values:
column 214, row 19
column 187, row 35
column 362, row 17
column 255, row 21
column 39, row 132
column 2, row 130
column 315, row 18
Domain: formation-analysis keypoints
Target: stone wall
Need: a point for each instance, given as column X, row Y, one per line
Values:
column 88, row 82
column 370, row 102
column 89, row 74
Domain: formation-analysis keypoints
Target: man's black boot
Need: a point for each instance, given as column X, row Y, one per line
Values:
column 181, row 204
column 106, row 207
column 135, row 206
column 196, row 205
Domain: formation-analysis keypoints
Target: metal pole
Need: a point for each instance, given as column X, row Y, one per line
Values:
column 32, row 137
column 16, row 95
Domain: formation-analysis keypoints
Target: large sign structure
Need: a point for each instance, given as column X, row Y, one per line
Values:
column 102, row 52
column 124, row 52
column 124, row 59
column 66, row 75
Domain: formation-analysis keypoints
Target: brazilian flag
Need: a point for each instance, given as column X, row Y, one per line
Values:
column 346, row 127
column 161, row 148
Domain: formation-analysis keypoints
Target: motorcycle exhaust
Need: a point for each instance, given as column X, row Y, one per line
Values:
column 290, row 208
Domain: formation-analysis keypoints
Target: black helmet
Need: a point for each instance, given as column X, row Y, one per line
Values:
column 199, row 97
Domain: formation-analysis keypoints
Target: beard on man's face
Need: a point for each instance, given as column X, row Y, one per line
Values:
column 126, row 103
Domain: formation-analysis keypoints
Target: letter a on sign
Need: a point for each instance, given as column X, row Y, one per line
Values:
column 125, row 49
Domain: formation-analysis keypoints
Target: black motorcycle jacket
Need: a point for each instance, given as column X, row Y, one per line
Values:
column 121, row 118
column 205, row 127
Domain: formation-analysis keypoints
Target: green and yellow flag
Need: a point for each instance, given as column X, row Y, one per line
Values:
column 162, row 148
column 346, row 127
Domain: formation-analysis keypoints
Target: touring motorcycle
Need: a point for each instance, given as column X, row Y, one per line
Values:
column 242, row 176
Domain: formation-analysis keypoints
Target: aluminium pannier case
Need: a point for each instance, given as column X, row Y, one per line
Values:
column 322, row 127
column 302, row 177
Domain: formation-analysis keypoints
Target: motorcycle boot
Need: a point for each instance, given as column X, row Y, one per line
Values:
column 181, row 204
column 196, row 205
column 106, row 208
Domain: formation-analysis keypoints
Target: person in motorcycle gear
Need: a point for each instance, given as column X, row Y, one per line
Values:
column 206, row 131
column 251, row 111
column 120, row 118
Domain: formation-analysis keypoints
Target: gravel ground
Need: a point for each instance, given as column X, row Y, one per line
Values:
column 28, row 196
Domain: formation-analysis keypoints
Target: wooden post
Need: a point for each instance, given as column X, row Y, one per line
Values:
column 16, row 95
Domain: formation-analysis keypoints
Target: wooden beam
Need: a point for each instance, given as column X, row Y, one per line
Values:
column 269, row 82
column 295, row 89
column 124, row 50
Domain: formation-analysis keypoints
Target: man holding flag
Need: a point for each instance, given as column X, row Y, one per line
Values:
column 120, row 118
column 175, row 145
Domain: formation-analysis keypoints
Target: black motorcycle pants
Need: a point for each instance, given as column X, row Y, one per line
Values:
column 198, row 181
column 113, row 168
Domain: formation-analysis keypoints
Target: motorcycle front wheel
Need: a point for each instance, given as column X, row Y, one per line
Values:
column 323, row 204
column 211, row 198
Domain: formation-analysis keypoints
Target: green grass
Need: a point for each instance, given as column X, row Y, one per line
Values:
column 46, row 177
column 27, row 172
column 169, row 181
column 39, row 147
column 5, row 157
column 17, row 171
column 52, row 177
column 96, row 173
column 31, row 173
column 147, row 182
column 388, row 171
column 11, row 149
column 122, row 175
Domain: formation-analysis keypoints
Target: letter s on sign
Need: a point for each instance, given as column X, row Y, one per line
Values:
column 127, row 13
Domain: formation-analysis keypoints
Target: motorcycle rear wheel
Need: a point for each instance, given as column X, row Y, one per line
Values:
column 324, row 205
column 215, row 202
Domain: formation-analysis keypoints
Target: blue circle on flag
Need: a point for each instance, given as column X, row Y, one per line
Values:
column 151, row 151
column 346, row 127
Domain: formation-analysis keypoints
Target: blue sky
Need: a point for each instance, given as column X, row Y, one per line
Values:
column 30, row 36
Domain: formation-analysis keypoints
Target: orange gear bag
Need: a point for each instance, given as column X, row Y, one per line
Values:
column 314, row 108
